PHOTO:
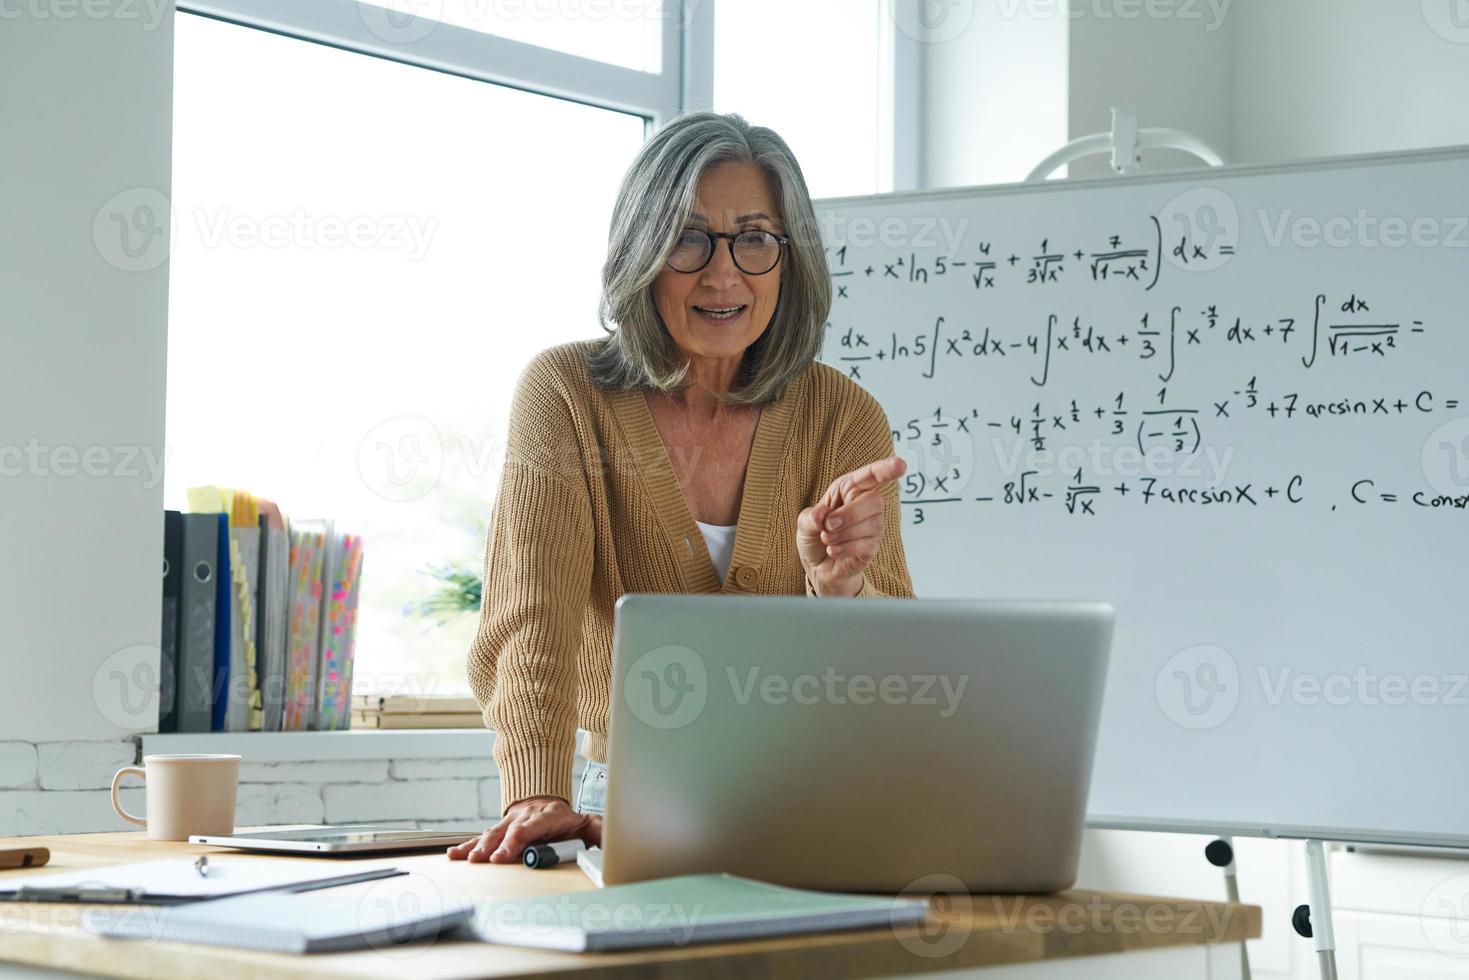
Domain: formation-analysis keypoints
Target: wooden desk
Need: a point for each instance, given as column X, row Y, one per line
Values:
column 981, row 931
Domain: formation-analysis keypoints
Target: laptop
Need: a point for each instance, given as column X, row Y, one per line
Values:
column 880, row 745
column 340, row 839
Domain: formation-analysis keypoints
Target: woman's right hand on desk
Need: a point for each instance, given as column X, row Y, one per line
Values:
column 536, row 820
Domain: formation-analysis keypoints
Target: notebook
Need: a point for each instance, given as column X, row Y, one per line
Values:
column 311, row 923
column 686, row 909
column 338, row 627
column 272, row 624
column 667, row 912
column 233, row 659
column 308, row 547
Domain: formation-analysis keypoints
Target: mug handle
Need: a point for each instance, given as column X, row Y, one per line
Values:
column 117, row 778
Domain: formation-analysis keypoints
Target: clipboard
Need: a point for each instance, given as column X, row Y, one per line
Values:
column 176, row 881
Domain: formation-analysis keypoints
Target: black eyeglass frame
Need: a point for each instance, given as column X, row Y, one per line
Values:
column 781, row 241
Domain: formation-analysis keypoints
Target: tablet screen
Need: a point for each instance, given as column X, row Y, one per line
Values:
column 348, row 837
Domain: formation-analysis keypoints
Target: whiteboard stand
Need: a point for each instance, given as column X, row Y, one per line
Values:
column 1126, row 142
column 1220, row 853
column 1314, row 921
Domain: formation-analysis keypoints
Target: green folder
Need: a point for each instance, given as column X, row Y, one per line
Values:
column 678, row 911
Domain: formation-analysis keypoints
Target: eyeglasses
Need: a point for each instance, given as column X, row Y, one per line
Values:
column 754, row 252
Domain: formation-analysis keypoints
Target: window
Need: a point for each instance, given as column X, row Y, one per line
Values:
column 367, row 251
column 619, row 32
column 814, row 72
column 366, row 254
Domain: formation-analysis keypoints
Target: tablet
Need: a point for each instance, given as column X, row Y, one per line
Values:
column 337, row 840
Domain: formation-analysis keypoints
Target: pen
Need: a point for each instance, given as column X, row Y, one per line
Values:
column 550, row 855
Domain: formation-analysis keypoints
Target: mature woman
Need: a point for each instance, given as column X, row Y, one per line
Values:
column 699, row 447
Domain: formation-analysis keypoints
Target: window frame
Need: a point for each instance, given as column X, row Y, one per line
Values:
column 900, row 112
column 685, row 83
column 687, row 39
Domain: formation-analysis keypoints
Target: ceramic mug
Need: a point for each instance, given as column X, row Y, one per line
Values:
column 185, row 794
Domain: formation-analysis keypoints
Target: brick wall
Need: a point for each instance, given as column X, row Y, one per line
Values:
column 63, row 788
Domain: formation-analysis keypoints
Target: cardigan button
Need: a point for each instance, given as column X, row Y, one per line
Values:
column 747, row 576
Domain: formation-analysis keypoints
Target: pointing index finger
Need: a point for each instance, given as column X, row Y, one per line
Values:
column 874, row 475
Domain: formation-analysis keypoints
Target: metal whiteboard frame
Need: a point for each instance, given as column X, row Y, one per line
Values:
column 1454, row 153
column 1172, row 176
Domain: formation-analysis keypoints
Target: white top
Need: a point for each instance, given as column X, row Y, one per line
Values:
column 720, row 539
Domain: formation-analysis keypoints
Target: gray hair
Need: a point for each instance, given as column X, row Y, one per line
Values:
column 653, row 205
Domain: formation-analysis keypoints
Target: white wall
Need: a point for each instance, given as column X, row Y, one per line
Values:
column 1265, row 81
column 1322, row 77
column 63, row 787
column 1175, row 66
column 85, row 113
column 994, row 92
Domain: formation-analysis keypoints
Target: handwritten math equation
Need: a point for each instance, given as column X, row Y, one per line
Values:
column 1115, row 260
column 1154, row 442
column 1339, row 330
column 1158, row 444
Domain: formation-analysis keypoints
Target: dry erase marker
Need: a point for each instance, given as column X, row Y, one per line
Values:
column 550, row 855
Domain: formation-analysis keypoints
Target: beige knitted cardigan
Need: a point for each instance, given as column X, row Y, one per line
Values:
column 589, row 508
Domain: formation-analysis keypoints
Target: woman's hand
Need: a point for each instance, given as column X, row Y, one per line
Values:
column 838, row 537
column 536, row 820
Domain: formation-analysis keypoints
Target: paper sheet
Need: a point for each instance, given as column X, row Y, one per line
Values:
column 177, row 877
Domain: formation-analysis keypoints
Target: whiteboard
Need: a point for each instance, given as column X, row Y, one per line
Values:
column 1235, row 404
